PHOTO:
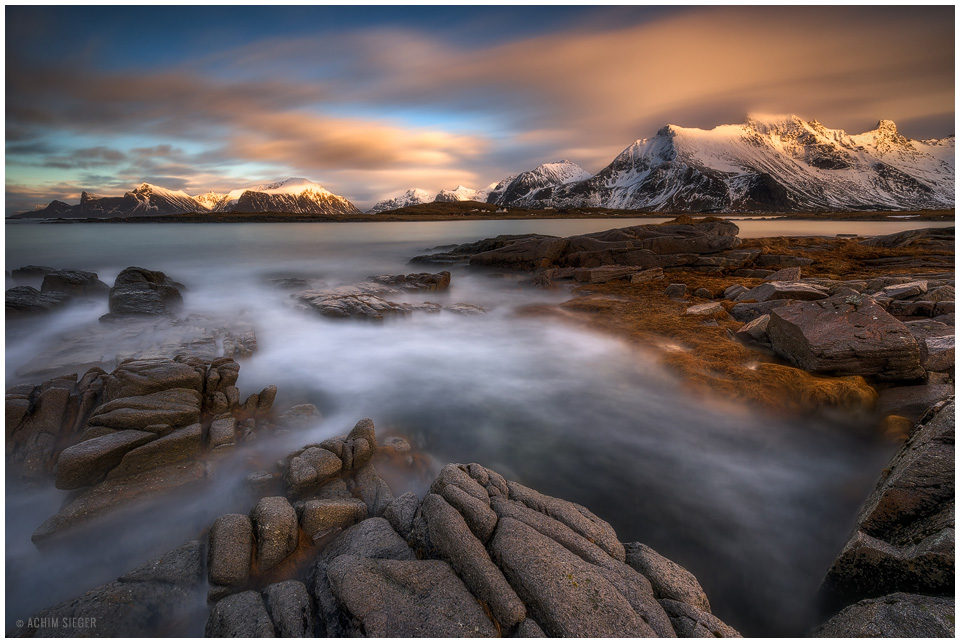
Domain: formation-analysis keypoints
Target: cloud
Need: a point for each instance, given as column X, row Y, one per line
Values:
column 338, row 108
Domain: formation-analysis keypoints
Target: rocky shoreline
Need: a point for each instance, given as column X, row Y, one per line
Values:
column 327, row 548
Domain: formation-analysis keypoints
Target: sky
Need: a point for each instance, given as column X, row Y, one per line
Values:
column 370, row 101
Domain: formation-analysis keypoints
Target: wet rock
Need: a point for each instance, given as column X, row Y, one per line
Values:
column 182, row 566
column 643, row 276
column 119, row 492
column 705, row 310
column 465, row 309
column 578, row 518
column 630, row 584
column 530, row 253
column 752, row 273
column 783, row 261
column 371, row 538
column 754, row 331
column 231, row 550
column 690, row 622
column 300, row 416
column 222, row 433
column 242, row 615
column 702, row 293
column 904, row 539
column 87, row 463
column 265, row 399
column 909, row 237
column 451, row 540
column 309, row 469
column 138, row 291
column 26, row 300
column 372, row 489
column 145, row 376
column 290, row 609
column 43, row 420
column 938, row 353
column 30, row 274
column 907, row 308
column 418, row 281
column 845, row 336
column 529, row 629
column 903, row 291
column 748, row 312
column 603, row 274
column 349, row 306
column 177, row 446
column 941, row 293
column 116, row 610
column 76, row 283
column 937, row 344
column 785, row 274
column 276, row 529
column 899, row 615
column 400, row 513
column 172, row 407
column 416, row 598
column 675, row 291
column 912, row 401
column 667, row 579
column 732, row 292
column 563, row 593
column 784, row 290
column 320, row 516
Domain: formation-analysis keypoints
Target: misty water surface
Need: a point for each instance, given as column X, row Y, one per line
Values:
column 755, row 508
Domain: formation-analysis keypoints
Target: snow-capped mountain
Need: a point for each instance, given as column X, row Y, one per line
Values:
column 416, row 196
column 461, row 193
column 536, row 185
column 769, row 163
column 294, row 195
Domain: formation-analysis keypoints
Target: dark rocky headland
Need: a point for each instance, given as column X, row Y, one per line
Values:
column 325, row 546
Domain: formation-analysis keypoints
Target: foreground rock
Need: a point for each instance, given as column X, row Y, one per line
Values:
column 158, row 598
column 902, row 554
column 128, row 436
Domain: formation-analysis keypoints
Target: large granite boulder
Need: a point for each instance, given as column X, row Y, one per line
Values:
column 902, row 553
column 138, row 291
column 406, row 598
column 896, row 616
column 160, row 595
column 844, row 336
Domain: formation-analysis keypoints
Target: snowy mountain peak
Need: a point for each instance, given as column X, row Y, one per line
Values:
column 461, row 193
column 294, row 196
column 770, row 163
column 414, row 196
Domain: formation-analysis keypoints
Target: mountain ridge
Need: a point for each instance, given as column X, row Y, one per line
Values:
column 768, row 163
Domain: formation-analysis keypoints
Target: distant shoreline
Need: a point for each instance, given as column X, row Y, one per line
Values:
column 268, row 217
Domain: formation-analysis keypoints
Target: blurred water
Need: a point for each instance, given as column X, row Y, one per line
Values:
column 755, row 508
